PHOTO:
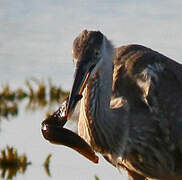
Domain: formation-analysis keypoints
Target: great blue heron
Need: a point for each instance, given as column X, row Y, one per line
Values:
column 131, row 110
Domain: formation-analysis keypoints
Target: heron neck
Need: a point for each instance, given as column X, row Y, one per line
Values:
column 100, row 89
column 101, row 83
column 96, row 106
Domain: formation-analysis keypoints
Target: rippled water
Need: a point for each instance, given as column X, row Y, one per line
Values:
column 36, row 40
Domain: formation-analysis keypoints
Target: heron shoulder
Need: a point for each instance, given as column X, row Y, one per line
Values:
column 151, row 77
column 141, row 68
column 135, row 58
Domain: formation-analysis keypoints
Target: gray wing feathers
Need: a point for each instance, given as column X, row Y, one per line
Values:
column 159, row 80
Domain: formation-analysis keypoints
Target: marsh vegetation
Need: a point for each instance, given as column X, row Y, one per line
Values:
column 36, row 94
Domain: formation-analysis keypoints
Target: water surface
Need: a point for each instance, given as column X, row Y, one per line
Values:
column 36, row 41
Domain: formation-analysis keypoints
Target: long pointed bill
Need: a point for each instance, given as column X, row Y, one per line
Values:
column 81, row 78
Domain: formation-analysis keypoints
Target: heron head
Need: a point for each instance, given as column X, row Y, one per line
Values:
column 88, row 54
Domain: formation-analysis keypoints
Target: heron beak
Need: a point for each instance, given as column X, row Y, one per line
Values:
column 81, row 78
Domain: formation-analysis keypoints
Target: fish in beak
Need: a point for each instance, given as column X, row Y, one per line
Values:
column 53, row 130
column 56, row 134
column 82, row 74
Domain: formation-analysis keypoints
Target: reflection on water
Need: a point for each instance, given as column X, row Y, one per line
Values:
column 38, row 94
column 43, row 95
column 12, row 163
column 8, row 101
column 46, row 164
column 36, row 40
column 8, row 108
column 97, row 178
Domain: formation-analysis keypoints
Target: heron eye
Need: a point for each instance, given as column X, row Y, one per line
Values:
column 97, row 53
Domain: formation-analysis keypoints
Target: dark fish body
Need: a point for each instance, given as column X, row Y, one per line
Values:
column 53, row 131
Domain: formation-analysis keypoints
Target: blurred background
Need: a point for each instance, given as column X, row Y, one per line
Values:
column 36, row 73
